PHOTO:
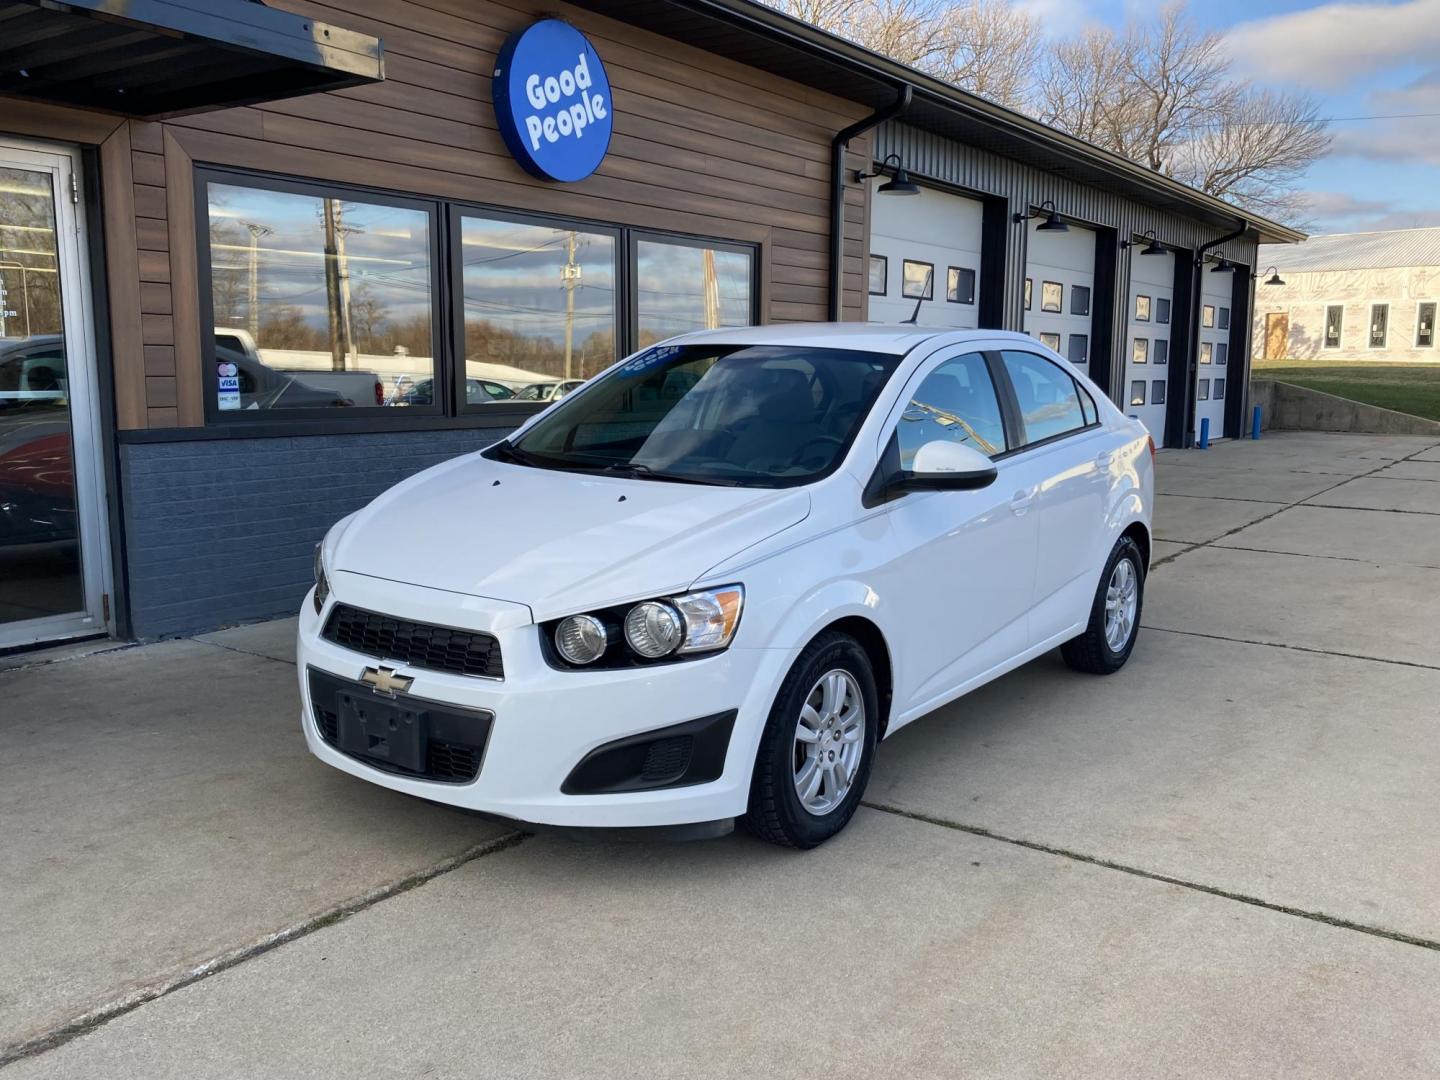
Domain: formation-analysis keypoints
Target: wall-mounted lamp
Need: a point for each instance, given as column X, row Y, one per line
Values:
column 1052, row 222
column 1152, row 248
column 1223, row 266
column 1274, row 278
column 900, row 185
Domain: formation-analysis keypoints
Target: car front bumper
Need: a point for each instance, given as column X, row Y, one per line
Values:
column 546, row 721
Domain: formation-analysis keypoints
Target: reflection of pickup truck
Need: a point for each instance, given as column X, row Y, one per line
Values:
column 355, row 387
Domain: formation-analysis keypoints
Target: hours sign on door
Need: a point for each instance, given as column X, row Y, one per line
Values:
column 552, row 101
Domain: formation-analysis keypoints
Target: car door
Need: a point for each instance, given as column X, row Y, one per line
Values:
column 1064, row 454
column 963, row 572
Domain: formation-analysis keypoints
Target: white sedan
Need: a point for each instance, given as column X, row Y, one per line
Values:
column 704, row 586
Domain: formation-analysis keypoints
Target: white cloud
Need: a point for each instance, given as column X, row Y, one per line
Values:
column 1335, row 45
column 1057, row 18
column 1337, row 211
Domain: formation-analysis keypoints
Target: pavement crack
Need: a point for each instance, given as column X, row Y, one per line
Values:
column 242, row 652
column 89, row 1021
column 1167, row 879
column 1293, row 648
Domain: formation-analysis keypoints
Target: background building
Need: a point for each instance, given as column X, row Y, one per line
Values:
column 1352, row 296
column 267, row 267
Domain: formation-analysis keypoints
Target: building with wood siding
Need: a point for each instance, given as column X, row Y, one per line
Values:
column 273, row 258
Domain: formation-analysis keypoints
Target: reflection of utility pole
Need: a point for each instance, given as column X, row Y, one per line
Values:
column 712, row 289
column 570, row 276
column 337, row 286
column 256, row 232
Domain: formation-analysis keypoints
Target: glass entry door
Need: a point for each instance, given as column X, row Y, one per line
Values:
column 54, row 562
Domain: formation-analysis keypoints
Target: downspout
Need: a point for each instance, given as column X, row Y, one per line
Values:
column 837, row 191
column 1192, row 361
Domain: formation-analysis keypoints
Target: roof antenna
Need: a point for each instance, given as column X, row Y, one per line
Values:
column 913, row 320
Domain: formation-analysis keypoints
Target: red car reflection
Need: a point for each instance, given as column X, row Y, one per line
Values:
column 37, row 489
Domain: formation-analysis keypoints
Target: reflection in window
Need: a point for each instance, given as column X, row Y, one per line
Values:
column 1050, row 341
column 1204, row 394
column 1140, row 351
column 684, row 286
column 1079, row 300
column 1048, row 397
column 960, row 285
column 917, row 280
column 1142, row 308
column 1161, row 352
column 1207, row 352
column 1079, row 351
column 1222, row 352
column 956, row 403
column 1219, row 390
column 319, row 300
column 1207, row 316
column 1157, row 392
column 539, row 306
column 1052, row 296
column 1223, row 320
column 1162, row 310
column 1137, row 392
column 879, row 266
column 1029, row 293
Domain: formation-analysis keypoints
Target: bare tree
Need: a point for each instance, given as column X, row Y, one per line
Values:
column 984, row 46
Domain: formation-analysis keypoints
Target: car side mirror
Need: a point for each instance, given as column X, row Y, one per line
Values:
column 941, row 465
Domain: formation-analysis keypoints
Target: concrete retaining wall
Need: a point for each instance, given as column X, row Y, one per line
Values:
column 1296, row 408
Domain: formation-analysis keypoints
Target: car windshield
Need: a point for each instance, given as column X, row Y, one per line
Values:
column 762, row 415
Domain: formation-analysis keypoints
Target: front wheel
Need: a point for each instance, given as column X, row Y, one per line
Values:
column 815, row 753
column 1109, row 637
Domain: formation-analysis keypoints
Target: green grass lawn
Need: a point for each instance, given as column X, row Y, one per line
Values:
column 1407, row 388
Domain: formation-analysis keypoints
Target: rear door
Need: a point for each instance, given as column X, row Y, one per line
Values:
column 1065, row 455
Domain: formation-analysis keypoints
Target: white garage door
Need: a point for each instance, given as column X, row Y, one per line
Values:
column 1147, row 360
column 1059, row 290
column 1212, row 380
column 925, row 246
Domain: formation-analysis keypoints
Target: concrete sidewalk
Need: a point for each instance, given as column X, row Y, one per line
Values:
column 1222, row 861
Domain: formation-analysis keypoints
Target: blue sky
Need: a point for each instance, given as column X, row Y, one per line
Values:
column 1361, row 59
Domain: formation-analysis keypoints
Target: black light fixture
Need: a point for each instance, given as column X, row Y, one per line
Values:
column 1152, row 248
column 1052, row 222
column 1274, row 278
column 900, row 185
column 1223, row 266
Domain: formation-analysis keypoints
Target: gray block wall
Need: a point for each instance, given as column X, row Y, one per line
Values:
column 223, row 531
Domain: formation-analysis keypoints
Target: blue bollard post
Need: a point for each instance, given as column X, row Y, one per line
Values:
column 1255, row 423
column 1204, row 433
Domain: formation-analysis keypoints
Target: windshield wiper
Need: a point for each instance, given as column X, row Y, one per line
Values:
column 637, row 471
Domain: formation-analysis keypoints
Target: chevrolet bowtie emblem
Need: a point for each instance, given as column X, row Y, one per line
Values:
column 386, row 680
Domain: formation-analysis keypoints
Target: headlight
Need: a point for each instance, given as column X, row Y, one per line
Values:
column 665, row 628
column 653, row 629
column 322, row 583
column 581, row 639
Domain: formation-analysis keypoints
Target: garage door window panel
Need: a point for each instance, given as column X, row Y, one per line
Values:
column 1157, row 392
column 1079, row 300
column 960, row 285
column 1047, row 398
column 1137, row 392
column 879, row 268
column 918, row 280
column 1052, row 297
column 1162, row 310
column 956, row 402
column 1078, row 351
column 1142, row 308
column 1161, row 354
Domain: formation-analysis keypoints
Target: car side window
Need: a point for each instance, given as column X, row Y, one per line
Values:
column 955, row 402
column 1049, row 397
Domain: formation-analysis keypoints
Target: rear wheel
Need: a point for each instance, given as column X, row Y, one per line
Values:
column 1109, row 637
column 815, row 753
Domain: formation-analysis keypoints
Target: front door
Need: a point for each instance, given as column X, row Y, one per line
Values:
column 54, row 559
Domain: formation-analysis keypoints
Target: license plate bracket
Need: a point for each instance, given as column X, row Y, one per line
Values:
column 384, row 731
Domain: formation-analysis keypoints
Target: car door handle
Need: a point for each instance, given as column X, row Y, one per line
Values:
column 1104, row 459
column 1021, row 500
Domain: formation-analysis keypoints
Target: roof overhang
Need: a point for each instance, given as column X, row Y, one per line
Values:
column 157, row 58
column 762, row 37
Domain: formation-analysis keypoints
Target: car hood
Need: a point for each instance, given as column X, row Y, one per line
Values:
column 557, row 542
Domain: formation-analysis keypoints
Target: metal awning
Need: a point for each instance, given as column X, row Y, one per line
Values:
column 157, row 58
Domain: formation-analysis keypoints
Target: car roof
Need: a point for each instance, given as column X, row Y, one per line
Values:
column 897, row 338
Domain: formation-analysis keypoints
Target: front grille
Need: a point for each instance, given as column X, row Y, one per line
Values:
column 437, row 648
column 455, row 738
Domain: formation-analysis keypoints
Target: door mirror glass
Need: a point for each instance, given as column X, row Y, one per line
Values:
column 941, row 465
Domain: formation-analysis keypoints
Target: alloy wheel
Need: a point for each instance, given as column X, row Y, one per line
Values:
column 829, row 741
column 1122, row 600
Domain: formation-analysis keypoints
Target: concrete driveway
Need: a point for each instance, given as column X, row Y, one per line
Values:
column 1223, row 861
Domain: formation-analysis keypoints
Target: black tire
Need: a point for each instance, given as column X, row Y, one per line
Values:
column 776, row 812
column 1091, row 652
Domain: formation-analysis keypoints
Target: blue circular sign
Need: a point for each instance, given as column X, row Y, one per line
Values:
column 552, row 101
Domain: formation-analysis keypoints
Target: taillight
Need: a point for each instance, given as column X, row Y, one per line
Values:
column 379, row 393
column 1151, row 440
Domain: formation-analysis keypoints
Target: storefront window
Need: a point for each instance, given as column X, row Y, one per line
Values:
column 540, row 307
column 682, row 286
column 319, row 300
